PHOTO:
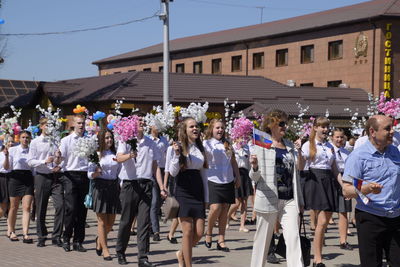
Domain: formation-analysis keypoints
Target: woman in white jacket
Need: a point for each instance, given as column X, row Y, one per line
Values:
column 278, row 192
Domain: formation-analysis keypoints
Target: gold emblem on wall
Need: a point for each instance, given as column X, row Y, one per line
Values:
column 361, row 46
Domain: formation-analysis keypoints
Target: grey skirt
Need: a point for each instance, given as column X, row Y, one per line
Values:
column 106, row 196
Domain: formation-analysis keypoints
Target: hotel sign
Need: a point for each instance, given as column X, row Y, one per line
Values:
column 387, row 67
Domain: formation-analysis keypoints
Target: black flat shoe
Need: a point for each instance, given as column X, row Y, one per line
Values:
column 224, row 249
column 66, row 246
column 346, row 246
column 27, row 240
column 320, row 264
column 41, row 243
column 98, row 251
column 107, row 258
column 172, row 240
column 208, row 244
column 57, row 242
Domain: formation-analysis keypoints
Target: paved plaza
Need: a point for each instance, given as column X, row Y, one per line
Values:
column 162, row 253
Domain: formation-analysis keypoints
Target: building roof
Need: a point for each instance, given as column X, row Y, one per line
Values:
column 147, row 87
column 333, row 17
column 17, row 92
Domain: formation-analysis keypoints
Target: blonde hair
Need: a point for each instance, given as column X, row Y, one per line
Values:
column 319, row 121
column 272, row 119
column 209, row 134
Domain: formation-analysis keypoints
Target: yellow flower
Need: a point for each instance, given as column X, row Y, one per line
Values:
column 256, row 123
column 206, row 124
column 62, row 119
column 177, row 109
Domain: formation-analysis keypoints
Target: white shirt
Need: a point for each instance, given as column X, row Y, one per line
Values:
column 168, row 159
column 109, row 167
column 242, row 156
column 128, row 168
column 18, row 157
column 219, row 162
column 39, row 150
column 194, row 161
column 324, row 157
column 2, row 159
column 348, row 146
column 72, row 162
column 341, row 155
column 162, row 145
column 147, row 152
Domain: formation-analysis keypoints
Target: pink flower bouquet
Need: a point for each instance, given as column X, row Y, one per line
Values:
column 126, row 130
column 242, row 130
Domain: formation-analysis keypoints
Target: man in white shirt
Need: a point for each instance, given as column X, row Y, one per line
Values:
column 76, row 186
column 138, row 169
column 44, row 158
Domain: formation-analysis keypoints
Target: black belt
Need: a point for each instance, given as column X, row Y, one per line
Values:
column 76, row 172
column 140, row 180
column 3, row 174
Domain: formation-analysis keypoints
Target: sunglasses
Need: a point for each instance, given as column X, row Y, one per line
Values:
column 282, row 124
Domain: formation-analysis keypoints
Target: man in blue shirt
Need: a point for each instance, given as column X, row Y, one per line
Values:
column 376, row 167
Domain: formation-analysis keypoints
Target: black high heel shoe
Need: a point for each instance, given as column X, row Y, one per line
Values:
column 98, row 251
column 207, row 244
column 224, row 249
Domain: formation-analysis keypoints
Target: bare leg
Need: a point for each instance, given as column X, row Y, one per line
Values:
column 243, row 214
column 322, row 223
column 222, row 223
column 187, row 240
column 198, row 230
column 173, row 227
column 3, row 209
column 313, row 219
column 133, row 225
column 26, row 213
column 233, row 209
column 215, row 211
column 12, row 214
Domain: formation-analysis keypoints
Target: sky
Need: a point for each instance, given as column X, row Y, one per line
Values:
column 69, row 56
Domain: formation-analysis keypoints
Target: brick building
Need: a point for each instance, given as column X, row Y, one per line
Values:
column 357, row 46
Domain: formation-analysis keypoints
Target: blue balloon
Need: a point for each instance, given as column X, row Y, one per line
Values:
column 2, row 21
column 98, row 115
column 110, row 126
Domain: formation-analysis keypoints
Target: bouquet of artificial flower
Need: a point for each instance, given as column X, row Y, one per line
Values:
column 9, row 125
column 242, row 130
column 298, row 123
column 165, row 122
column 86, row 147
column 54, row 124
column 126, row 130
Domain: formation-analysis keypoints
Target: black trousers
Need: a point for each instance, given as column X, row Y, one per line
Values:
column 46, row 185
column 135, row 202
column 76, row 186
column 376, row 234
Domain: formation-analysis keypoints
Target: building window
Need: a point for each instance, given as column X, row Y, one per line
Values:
column 216, row 66
column 160, row 68
column 307, row 85
column 198, row 67
column 147, row 69
column 258, row 61
column 334, row 83
column 335, row 50
column 282, row 57
column 180, row 68
column 236, row 63
column 131, row 70
column 307, row 54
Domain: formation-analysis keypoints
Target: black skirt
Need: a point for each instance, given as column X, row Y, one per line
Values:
column 221, row 193
column 246, row 188
column 320, row 191
column 344, row 205
column 20, row 183
column 189, row 192
column 4, row 197
column 106, row 196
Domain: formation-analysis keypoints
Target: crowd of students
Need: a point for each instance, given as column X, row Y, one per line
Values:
column 202, row 170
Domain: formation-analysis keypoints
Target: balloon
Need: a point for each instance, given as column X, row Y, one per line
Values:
column 110, row 118
column 2, row 21
column 110, row 126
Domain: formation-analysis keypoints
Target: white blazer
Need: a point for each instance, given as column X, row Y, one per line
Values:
column 266, row 199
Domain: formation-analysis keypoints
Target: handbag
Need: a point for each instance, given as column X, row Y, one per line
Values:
column 89, row 198
column 170, row 208
column 305, row 244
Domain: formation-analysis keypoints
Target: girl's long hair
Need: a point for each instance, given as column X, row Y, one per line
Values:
column 319, row 121
column 209, row 135
column 102, row 142
column 184, row 141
